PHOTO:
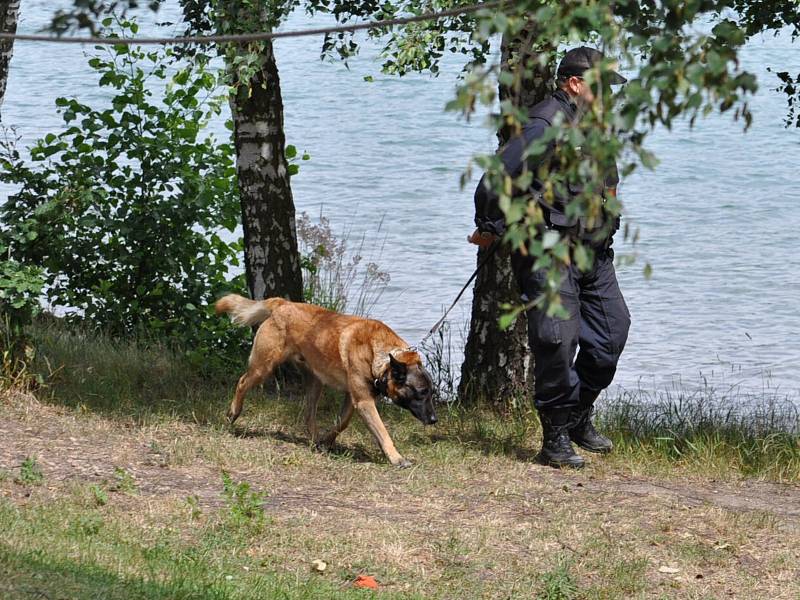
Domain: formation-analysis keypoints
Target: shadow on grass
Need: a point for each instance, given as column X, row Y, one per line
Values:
column 131, row 379
column 355, row 452
column 34, row 575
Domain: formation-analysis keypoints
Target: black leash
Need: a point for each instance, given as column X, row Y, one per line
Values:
column 489, row 254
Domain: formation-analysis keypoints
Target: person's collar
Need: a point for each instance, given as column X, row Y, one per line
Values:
column 569, row 104
column 565, row 98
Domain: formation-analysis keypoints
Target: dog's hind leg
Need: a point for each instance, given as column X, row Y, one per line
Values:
column 247, row 381
column 342, row 421
column 313, row 392
column 267, row 354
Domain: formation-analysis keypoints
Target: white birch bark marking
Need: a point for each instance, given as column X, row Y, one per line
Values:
column 9, row 15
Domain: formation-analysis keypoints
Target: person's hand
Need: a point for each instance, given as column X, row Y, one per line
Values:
column 483, row 239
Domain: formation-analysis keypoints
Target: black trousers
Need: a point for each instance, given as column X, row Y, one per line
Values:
column 597, row 328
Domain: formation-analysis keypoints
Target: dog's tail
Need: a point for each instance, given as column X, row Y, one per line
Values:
column 244, row 311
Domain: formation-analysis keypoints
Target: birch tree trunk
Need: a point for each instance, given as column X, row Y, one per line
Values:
column 497, row 364
column 9, row 13
column 271, row 257
column 495, row 368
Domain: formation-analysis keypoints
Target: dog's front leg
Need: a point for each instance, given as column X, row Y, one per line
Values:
column 365, row 405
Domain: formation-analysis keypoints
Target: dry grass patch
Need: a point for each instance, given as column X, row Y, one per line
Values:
column 462, row 521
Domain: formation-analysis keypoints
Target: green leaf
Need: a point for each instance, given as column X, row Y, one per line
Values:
column 550, row 239
column 122, row 209
column 506, row 320
column 583, row 259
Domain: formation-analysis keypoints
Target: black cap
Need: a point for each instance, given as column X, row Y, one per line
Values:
column 579, row 60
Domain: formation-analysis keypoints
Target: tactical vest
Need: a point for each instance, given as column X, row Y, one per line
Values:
column 555, row 213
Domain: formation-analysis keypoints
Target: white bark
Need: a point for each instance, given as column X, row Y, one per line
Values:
column 9, row 15
column 272, row 262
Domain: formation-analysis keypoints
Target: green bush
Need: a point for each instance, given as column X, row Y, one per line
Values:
column 128, row 209
column 20, row 288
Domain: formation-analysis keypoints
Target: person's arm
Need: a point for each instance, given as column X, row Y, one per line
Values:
column 489, row 218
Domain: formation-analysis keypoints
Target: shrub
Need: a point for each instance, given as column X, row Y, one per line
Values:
column 20, row 288
column 127, row 210
column 245, row 505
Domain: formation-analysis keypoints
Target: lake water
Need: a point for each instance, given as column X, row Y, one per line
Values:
column 719, row 218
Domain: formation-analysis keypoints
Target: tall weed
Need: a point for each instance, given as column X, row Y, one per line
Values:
column 336, row 275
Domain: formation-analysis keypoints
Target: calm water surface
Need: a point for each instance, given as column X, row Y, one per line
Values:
column 718, row 219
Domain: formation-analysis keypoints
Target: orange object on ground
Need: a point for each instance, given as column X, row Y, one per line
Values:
column 366, row 581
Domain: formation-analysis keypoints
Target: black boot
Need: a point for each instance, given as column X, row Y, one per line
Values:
column 556, row 449
column 583, row 433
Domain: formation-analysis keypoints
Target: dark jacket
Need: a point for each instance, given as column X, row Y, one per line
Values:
column 488, row 216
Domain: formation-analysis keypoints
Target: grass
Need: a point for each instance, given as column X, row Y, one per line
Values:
column 670, row 434
column 723, row 435
column 694, row 431
column 143, row 491
column 67, row 551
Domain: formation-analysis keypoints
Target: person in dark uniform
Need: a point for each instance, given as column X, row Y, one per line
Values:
column 565, row 386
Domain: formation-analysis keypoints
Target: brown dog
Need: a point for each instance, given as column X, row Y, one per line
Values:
column 362, row 357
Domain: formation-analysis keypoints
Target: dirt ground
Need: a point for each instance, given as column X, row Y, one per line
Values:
column 740, row 535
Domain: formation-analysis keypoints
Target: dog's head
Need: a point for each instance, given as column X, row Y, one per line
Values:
column 409, row 386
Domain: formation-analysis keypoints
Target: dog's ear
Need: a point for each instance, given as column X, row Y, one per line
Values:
column 399, row 370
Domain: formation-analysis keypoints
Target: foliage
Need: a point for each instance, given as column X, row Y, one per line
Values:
column 123, row 482
column 790, row 87
column 127, row 210
column 20, row 288
column 99, row 495
column 414, row 47
column 558, row 584
column 89, row 13
column 87, row 525
column 683, row 58
column 30, row 473
column 245, row 506
column 682, row 63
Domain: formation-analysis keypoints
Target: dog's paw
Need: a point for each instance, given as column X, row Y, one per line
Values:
column 322, row 446
column 325, row 443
